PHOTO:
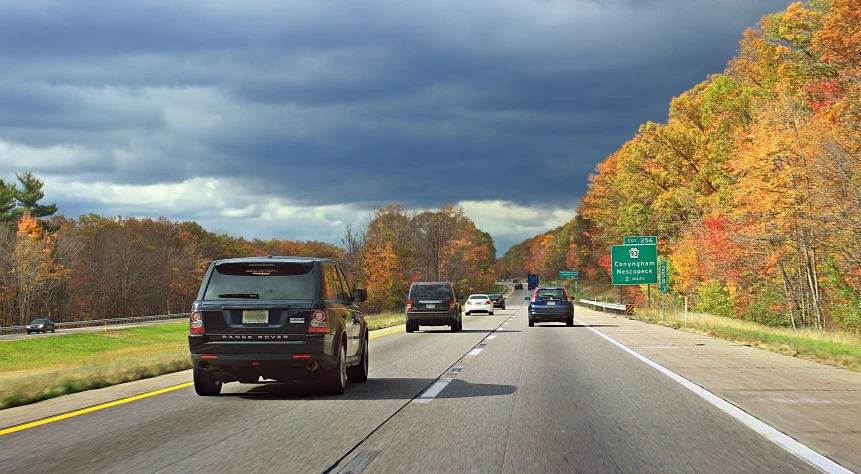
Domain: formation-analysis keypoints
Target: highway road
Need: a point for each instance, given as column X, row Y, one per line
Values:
column 497, row 397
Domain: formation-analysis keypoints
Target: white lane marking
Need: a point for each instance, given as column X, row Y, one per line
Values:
column 475, row 351
column 499, row 329
column 435, row 389
column 810, row 456
column 505, row 323
column 492, row 336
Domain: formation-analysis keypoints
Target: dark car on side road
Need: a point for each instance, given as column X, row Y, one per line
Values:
column 518, row 286
column 498, row 300
column 41, row 325
column 433, row 303
column 551, row 304
column 285, row 319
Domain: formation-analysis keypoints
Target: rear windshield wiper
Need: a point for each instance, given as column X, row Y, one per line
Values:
column 254, row 296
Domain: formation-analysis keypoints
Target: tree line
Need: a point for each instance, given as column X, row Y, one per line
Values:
column 96, row 267
column 753, row 185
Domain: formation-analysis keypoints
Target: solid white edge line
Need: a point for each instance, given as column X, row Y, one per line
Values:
column 810, row 456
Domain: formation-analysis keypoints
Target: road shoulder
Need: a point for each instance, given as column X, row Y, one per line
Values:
column 816, row 404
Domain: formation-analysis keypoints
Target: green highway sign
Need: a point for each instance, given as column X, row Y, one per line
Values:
column 641, row 240
column 634, row 264
column 663, row 275
column 564, row 274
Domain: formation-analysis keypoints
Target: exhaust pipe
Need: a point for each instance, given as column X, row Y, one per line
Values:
column 312, row 366
column 204, row 365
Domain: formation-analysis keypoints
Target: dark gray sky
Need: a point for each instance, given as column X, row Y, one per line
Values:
column 291, row 119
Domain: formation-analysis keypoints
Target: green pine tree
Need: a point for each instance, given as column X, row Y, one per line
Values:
column 29, row 195
column 7, row 201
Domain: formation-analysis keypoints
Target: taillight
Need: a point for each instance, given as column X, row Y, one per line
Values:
column 468, row 303
column 567, row 296
column 487, row 302
column 409, row 305
column 451, row 305
column 319, row 323
column 196, row 323
column 534, row 296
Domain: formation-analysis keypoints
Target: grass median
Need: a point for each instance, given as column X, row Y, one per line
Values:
column 828, row 347
column 40, row 368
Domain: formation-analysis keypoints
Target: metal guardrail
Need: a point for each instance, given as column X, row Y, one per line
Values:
column 99, row 322
column 615, row 308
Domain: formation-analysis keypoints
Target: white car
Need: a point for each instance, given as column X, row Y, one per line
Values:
column 478, row 304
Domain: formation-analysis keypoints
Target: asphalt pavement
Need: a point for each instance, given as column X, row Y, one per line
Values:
column 496, row 397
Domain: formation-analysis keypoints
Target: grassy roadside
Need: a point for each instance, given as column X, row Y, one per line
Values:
column 385, row 320
column 37, row 369
column 840, row 350
column 41, row 368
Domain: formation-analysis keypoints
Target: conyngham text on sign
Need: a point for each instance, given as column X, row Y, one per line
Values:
column 634, row 264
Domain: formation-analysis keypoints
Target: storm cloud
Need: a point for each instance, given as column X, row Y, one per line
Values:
column 272, row 118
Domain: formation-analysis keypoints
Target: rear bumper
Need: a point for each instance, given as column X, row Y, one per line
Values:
column 498, row 305
column 255, row 356
column 550, row 315
column 432, row 318
column 260, row 363
column 480, row 309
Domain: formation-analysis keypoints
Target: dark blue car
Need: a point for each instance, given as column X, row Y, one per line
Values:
column 551, row 304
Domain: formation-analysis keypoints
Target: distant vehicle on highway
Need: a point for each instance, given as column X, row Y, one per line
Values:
column 41, row 325
column 518, row 286
column 532, row 281
column 279, row 318
column 433, row 303
column 479, row 303
column 551, row 304
column 498, row 300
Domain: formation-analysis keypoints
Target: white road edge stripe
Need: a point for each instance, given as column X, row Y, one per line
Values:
column 810, row 456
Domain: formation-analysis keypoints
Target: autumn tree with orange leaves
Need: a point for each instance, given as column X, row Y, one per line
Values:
column 753, row 185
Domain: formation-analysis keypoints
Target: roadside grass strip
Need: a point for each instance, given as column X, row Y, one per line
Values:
column 39, row 369
column 827, row 347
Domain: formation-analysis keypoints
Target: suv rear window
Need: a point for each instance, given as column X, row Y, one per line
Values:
column 551, row 293
column 431, row 291
column 265, row 281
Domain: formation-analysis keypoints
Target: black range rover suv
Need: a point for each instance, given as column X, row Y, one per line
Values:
column 279, row 318
column 433, row 304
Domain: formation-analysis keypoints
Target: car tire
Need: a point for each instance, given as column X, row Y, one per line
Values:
column 569, row 322
column 205, row 385
column 335, row 380
column 491, row 313
column 410, row 327
column 454, row 325
column 466, row 314
column 531, row 324
column 359, row 373
column 459, row 325
column 53, row 330
column 28, row 332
